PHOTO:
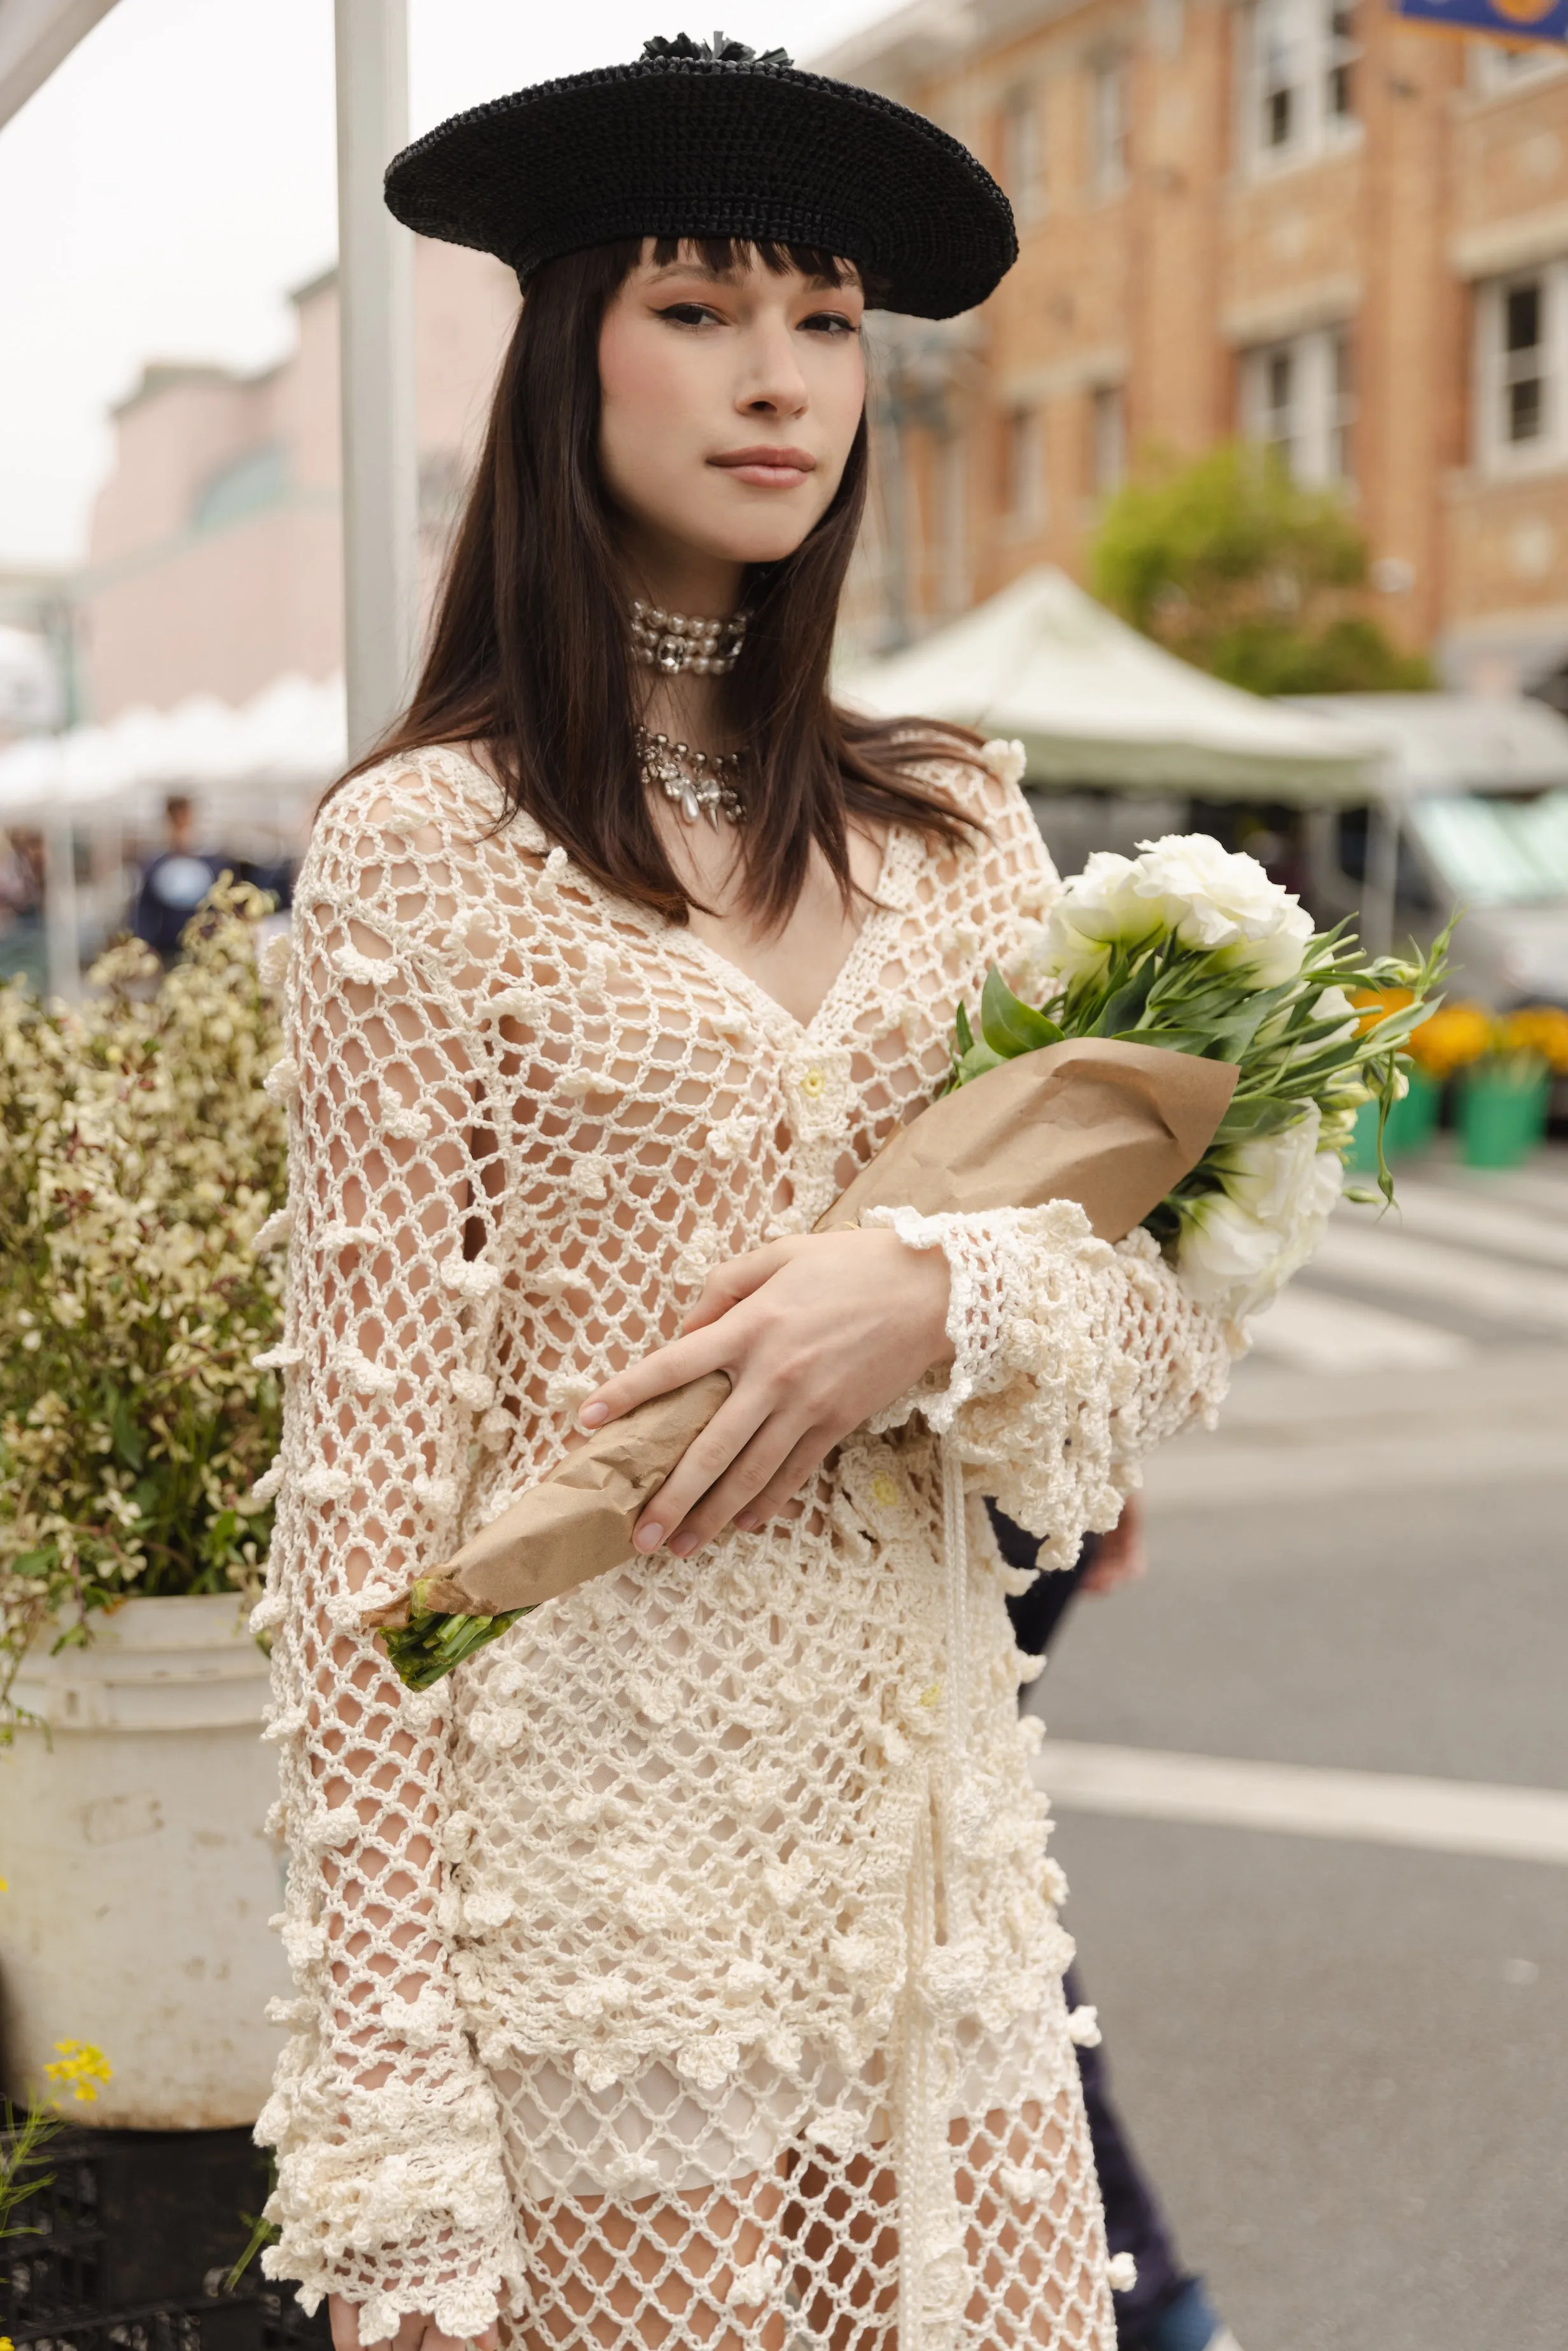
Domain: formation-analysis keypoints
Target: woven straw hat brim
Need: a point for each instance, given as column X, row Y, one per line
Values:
column 692, row 147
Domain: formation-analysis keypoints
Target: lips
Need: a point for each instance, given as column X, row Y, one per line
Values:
column 766, row 467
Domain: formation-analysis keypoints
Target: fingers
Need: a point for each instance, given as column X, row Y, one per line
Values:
column 736, row 1279
column 345, row 2323
column 658, row 1374
column 786, row 1482
column 666, row 1515
column 738, row 1497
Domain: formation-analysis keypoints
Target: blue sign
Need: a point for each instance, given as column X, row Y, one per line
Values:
column 1507, row 20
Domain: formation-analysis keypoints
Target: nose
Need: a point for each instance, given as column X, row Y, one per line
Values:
column 772, row 381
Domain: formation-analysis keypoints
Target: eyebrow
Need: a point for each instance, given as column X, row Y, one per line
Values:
column 732, row 276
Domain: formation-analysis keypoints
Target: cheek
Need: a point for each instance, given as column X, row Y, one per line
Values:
column 647, row 402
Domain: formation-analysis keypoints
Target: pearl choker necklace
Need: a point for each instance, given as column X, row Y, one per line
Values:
column 700, row 783
column 671, row 643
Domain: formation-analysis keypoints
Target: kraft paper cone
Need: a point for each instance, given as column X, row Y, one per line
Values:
column 1112, row 1126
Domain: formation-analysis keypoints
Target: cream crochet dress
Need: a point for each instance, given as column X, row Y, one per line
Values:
column 686, row 1967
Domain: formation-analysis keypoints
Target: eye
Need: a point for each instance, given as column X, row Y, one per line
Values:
column 689, row 314
column 831, row 323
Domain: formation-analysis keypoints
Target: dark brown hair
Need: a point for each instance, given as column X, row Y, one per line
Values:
column 529, row 656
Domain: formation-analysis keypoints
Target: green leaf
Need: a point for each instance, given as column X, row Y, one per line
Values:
column 130, row 1444
column 1009, row 1024
column 962, row 1031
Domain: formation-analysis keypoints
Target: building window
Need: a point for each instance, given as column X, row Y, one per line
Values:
column 1298, row 398
column 1494, row 68
column 1023, row 470
column 1108, row 126
column 1107, row 438
column 1521, row 331
column 1301, row 79
column 1023, row 153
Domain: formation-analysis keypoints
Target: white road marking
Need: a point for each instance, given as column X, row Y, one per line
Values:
column 1437, row 1212
column 1326, row 1334
column 1204, row 1472
column 1526, row 1297
column 1301, row 1800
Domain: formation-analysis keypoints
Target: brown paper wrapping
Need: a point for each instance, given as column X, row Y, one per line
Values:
column 1112, row 1126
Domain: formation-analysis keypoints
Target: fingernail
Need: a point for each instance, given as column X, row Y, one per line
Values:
column 594, row 1415
column 650, row 1537
column 747, row 1521
column 683, row 1545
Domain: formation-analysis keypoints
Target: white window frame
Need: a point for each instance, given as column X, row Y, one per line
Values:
column 1495, row 69
column 1496, row 369
column 1023, row 157
column 1109, row 124
column 1108, row 438
column 1318, row 414
column 1024, row 462
column 1304, row 52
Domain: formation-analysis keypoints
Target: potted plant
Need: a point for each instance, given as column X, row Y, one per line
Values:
column 1506, row 1092
column 140, row 1159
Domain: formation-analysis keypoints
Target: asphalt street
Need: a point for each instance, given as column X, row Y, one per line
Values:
column 1343, row 2055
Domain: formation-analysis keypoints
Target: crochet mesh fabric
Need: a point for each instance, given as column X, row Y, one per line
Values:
column 687, row 1963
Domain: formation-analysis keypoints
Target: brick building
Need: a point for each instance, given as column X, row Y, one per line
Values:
column 1299, row 220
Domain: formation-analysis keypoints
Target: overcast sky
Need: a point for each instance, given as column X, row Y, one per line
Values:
column 174, row 179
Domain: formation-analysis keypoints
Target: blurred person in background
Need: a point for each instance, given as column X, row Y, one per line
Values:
column 174, row 882
column 22, row 907
column 1167, row 2308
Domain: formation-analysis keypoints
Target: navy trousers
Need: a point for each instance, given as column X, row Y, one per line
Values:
column 1134, row 2222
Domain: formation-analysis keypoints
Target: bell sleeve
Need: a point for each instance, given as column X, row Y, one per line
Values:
column 1073, row 1358
column 390, row 2189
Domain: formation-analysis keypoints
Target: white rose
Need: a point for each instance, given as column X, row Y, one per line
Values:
column 1240, row 1246
column 1099, row 909
column 1227, row 1258
column 1268, row 1173
column 1214, row 901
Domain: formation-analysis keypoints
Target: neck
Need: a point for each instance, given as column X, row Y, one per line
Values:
column 699, row 587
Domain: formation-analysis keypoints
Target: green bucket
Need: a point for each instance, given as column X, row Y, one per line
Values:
column 1412, row 1123
column 1503, row 1114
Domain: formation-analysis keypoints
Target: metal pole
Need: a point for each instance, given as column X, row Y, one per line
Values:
column 1381, row 888
column 60, row 938
column 375, row 294
column 62, row 933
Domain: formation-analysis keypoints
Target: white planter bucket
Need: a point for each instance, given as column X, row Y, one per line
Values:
column 141, row 1876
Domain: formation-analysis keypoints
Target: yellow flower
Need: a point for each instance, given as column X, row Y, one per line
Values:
column 1456, row 1035
column 1540, row 1030
column 79, row 2067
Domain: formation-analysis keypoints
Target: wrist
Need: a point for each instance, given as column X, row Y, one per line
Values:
column 926, row 1279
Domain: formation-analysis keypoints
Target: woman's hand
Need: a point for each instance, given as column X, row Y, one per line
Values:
column 416, row 2332
column 816, row 1333
column 1123, row 1555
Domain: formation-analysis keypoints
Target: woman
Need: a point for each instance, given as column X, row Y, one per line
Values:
column 686, row 1966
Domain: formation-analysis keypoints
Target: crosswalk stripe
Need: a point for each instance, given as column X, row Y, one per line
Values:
column 1323, row 1332
column 1527, row 1299
column 1461, row 1816
column 1432, row 1212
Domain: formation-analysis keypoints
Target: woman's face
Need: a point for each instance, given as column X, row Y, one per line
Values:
column 730, row 402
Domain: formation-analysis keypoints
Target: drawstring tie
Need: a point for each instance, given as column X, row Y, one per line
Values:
column 934, row 2269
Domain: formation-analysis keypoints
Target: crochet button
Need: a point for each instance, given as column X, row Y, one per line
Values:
column 885, row 1489
column 812, row 1083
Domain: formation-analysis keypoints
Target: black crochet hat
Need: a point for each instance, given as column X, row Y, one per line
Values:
column 715, row 140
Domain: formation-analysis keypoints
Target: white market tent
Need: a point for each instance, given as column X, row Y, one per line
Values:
column 258, row 768
column 1443, row 743
column 1093, row 702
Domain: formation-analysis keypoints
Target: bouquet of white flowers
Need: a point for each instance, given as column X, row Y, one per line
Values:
column 1207, row 1071
column 1189, row 947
